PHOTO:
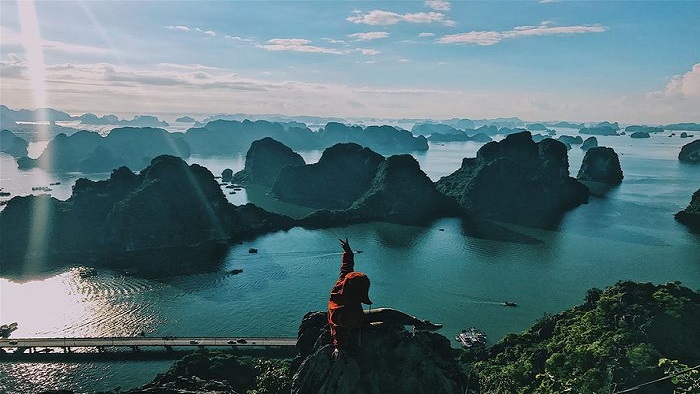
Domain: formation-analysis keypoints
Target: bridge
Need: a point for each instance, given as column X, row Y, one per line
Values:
column 102, row 344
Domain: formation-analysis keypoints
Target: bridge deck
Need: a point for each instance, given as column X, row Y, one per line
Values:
column 146, row 341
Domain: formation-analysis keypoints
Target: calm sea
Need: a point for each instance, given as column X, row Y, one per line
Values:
column 437, row 273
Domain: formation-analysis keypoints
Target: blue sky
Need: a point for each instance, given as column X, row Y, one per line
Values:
column 582, row 61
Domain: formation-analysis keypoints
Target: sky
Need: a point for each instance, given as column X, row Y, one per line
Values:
column 633, row 62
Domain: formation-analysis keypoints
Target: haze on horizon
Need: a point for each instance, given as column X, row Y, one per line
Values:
column 633, row 62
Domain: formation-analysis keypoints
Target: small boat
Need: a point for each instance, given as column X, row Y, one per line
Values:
column 235, row 271
column 510, row 303
column 88, row 273
column 252, row 250
column 358, row 251
column 54, row 183
column 471, row 337
column 4, row 194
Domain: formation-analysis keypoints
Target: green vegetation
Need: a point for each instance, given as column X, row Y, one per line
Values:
column 629, row 334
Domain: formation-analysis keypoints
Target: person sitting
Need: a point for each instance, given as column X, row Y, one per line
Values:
column 345, row 312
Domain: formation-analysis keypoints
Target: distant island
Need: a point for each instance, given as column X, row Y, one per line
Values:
column 86, row 151
column 185, row 119
column 643, row 129
column 138, row 120
column 221, row 137
column 683, row 126
column 602, row 128
column 169, row 218
column 12, row 145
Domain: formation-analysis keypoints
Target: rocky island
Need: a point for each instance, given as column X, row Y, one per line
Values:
column 601, row 164
column 12, row 145
column 516, row 180
column 690, row 153
column 170, row 215
column 602, row 128
column 264, row 161
column 590, row 142
column 86, row 151
column 690, row 216
column 399, row 193
column 343, row 174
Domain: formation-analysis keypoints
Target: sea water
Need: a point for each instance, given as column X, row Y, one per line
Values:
column 436, row 272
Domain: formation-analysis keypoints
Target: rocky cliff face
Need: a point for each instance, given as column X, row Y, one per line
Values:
column 264, row 161
column 400, row 193
column 601, row 164
column 379, row 360
column 86, row 151
column 516, row 180
column 343, row 174
column 170, row 212
column 690, row 153
column 690, row 216
column 12, row 145
column 590, row 142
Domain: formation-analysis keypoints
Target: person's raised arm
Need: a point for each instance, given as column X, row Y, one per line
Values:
column 348, row 261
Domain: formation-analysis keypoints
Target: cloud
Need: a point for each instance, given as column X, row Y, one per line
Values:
column 682, row 87
column 403, row 61
column 548, row 1
column 438, row 5
column 210, row 33
column 13, row 67
column 298, row 45
column 386, row 18
column 372, row 35
column 178, row 27
column 426, row 35
column 12, row 39
column 368, row 51
column 486, row 38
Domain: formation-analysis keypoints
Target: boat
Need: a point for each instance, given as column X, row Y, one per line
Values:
column 252, row 250
column 235, row 271
column 6, row 329
column 88, row 273
column 510, row 303
column 471, row 337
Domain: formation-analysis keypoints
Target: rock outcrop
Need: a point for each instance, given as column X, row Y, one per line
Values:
column 87, row 151
column 601, row 164
column 170, row 214
column 690, row 216
column 640, row 134
column 12, row 145
column 400, row 193
column 380, row 359
column 516, row 180
column 644, row 129
column 227, row 175
column 433, row 128
column 683, row 126
column 377, row 138
column 342, row 175
column 590, row 142
column 690, row 153
column 224, row 137
column 264, row 161
column 602, row 128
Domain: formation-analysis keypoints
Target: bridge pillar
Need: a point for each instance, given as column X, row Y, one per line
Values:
column 135, row 348
column 168, row 348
